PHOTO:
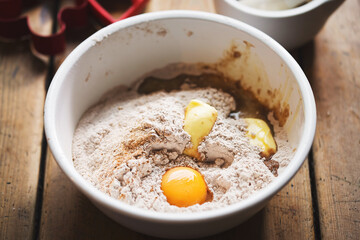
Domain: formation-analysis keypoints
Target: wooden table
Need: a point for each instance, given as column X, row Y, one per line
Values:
column 322, row 201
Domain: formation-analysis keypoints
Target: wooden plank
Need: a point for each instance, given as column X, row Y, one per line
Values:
column 67, row 214
column 333, row 64
column 289, row 214
column 22, row 93
column 199, row 5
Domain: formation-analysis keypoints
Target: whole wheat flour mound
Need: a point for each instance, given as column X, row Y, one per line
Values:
column 125, row 143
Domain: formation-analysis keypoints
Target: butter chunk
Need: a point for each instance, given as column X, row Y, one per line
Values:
column 260, row 135
column 199, row 120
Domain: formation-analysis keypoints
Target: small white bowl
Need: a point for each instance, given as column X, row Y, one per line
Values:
column 124, row 51
column 291, row 28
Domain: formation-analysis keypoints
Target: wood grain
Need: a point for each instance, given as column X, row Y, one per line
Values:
column 199, row 5
column 22, row 93
column 289, row 214
column 332, row 64
column 68, row 214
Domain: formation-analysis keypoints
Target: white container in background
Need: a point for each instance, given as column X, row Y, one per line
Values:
column 291, row 28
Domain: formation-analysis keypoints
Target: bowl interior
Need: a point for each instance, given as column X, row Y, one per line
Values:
column 121, row 53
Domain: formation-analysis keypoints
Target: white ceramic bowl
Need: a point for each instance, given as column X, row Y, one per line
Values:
column 122, row 52
column 291, row 28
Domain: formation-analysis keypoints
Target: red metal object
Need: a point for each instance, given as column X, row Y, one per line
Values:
column 12, row 26
column 106, row 18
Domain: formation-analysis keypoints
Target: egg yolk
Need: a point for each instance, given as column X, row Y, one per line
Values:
column 184, row 186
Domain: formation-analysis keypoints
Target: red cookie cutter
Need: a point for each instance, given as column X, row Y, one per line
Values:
column 13, row 27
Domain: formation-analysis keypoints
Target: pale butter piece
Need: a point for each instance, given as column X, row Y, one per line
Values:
column 260, row 135
column 199, row 119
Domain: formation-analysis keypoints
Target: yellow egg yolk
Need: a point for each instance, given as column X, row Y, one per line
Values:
column 184, row 186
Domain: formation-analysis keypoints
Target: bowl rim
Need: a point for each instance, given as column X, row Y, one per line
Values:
column 307, row 7
column 164, row 217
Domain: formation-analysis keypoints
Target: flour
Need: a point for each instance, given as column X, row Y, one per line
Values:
column 125, row 143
